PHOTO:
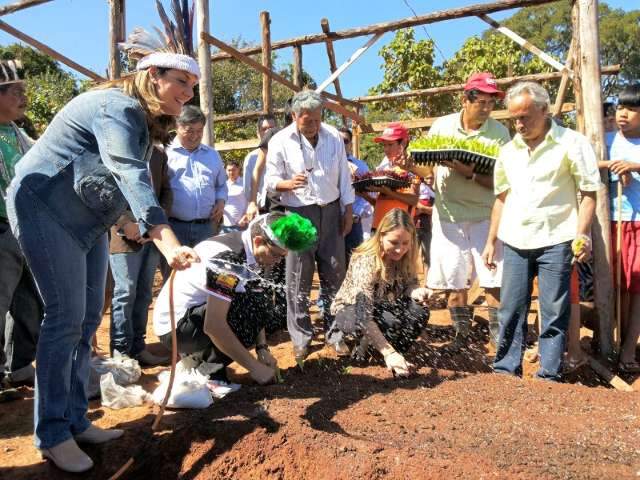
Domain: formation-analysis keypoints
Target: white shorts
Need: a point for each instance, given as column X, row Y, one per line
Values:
column 456, row 256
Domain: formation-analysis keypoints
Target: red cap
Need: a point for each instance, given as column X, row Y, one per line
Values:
column 393, row 131
column 483, row 82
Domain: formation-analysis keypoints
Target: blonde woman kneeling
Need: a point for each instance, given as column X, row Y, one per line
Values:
column 379, row 300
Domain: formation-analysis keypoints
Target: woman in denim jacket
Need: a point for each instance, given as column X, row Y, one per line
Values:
column 68, row 190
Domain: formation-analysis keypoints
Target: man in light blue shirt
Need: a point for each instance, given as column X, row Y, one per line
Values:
column 361, row 207
column 197, row 180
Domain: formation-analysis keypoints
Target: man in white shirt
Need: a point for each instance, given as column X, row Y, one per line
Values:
column 197, row 180
column 265, row 123
column 234, row 209
column 307, row 164
column 542, row 225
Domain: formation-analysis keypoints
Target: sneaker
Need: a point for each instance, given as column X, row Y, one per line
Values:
column 220, row 388
column 148, row 359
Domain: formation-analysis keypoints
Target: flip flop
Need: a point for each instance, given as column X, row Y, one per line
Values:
column 629, row 367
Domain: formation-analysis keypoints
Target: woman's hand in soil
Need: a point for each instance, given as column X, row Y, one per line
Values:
column 420, row 295
column 398, row 365
column 263, row 374
column 182, row 257
column 266, row 358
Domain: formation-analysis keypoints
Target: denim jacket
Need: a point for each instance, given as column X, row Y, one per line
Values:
column 89, row 164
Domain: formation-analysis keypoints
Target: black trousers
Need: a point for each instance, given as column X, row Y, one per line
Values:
column 192, row 338
column 401, row 322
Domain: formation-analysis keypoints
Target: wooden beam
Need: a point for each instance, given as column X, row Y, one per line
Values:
column 428, row 122
column 232, row 117
column 426, row 92
column 594, row 130
column 116, row 35
column 336, row 107
column 22, row 4
column 545, row 57
column 564, row 81
column 204, row 60
column 237, row 145
column 439, row 16
column 297, row 65
column 50, row 51
column 331, row 55
column 265, row 22
column 350, row 61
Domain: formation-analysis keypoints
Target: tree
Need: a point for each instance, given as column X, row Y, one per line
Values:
column 49, row 88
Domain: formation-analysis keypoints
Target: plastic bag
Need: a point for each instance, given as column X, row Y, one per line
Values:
column 125, row 370
column 189, row 387
column 115, row 396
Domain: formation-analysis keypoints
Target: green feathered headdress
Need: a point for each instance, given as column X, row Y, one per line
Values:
column 292, row 232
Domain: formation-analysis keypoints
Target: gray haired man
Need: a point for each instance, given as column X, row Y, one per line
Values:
column 542, row 224
column 307, row 164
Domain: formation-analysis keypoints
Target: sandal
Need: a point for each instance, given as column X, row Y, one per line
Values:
column 629, row 367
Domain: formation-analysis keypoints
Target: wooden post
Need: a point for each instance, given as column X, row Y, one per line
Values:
column 265, row 21
column 589, row 60
column 204, row 60
column 331, row 54
column 357, row 54
column 331, row 105
column 297, row 65
column 564, row 81
column 356, row 138
column 116, row 35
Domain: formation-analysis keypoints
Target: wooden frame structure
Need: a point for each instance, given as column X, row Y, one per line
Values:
column 582, row 69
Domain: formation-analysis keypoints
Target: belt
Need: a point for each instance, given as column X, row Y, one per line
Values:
column 197, row 220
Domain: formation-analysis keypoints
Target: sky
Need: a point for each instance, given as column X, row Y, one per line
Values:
column 79, row 29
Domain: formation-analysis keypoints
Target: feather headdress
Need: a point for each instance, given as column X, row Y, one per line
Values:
column 171, row 48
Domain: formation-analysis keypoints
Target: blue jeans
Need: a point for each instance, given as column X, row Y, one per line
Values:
column 552, row 265
column 353, row 240
column 191, row 234
column 71, row 280
column 133, row 274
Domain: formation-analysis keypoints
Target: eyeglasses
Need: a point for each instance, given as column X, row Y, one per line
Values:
column 275, row 251
column 191, row 130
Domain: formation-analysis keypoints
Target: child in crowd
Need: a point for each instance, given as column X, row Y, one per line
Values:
column 379, row 300
column 624, row 152
column 423, row 212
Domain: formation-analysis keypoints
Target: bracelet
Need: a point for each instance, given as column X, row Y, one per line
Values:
column 262, row 346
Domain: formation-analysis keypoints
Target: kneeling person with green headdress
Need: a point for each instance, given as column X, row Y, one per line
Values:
column 223, row 304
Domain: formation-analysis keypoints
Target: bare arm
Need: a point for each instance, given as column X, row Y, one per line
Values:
column 216, row 326
column 496, row 215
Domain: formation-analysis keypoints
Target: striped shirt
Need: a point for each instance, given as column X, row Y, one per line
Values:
column 326, row 167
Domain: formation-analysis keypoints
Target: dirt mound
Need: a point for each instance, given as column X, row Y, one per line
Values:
column 340, row 420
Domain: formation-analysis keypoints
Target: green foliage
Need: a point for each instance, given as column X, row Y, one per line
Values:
column 443, row 142
column 49, row 87
column 494, row 53
column 47, row 94
column 408, row 65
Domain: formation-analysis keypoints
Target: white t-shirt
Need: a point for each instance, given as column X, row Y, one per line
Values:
column 189, row 286
column 236, row 204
